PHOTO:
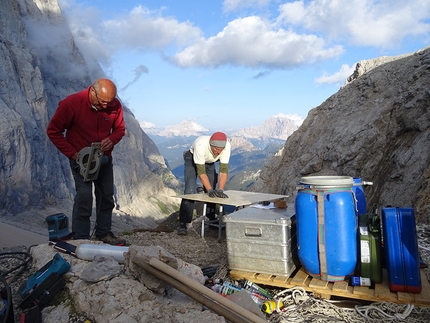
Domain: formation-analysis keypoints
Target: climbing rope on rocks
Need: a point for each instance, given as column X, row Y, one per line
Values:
column 384, row 311
column 296, row 305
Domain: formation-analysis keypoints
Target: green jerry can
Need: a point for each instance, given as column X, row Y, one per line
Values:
column 370, row 247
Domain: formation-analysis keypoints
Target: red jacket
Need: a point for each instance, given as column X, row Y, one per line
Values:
column 76, row 124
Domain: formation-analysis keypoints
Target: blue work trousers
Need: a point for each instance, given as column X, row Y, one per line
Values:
column 83, row 202
column 190, row 177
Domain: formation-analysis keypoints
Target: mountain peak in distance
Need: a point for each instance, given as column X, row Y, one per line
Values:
column 279, row 126
column 185, row 128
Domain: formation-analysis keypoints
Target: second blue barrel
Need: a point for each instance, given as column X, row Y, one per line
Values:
column 359, row 195
column 327, row 226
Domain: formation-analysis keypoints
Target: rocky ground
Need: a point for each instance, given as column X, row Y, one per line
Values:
column 207, row 252
column 211, row 253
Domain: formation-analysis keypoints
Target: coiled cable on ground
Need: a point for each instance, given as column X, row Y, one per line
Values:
column 22, row 264
column 6, row 270
column 299, row 306
column 364, row 311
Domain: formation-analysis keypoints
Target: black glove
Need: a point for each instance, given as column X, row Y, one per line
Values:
column 220, row 193
column 212, row 193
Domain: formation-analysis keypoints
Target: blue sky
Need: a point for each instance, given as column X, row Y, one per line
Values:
column 232, row 64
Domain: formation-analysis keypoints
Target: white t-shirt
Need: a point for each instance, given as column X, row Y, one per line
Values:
column 202, row 153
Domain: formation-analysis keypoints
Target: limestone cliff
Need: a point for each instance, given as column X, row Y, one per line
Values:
column 377, row 127
column 39, row 66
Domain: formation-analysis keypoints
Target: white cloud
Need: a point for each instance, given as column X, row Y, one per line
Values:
column 382, row 24
column 338, row 77
column 141, row 30
column 84, row 23
column 252, row 42
column 305, row 32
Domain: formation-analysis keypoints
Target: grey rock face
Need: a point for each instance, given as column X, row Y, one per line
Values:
column 39, row 66
column 376, row 127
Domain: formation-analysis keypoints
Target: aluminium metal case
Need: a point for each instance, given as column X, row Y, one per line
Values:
column 262, row 240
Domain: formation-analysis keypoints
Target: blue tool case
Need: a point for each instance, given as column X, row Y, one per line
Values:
column 401, row 249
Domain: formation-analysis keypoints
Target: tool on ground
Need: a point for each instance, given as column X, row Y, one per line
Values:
column 269, row 306
column 64, row 247
column 58, row 226
column 45, row 284
column 90, row 160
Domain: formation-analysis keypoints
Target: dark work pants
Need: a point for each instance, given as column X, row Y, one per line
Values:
column 83, row 203
column 190, row 177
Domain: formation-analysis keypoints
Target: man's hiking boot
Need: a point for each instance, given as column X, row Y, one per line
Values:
column 182, row 230
column 112, row 240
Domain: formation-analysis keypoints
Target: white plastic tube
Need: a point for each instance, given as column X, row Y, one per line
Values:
column 88, row 251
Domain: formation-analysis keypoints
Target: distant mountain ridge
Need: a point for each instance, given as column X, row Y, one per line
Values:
column 189, row 128
column 280, row 126
column 251, row 147
column 276, row 127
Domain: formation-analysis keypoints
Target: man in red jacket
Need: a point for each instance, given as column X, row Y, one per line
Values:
column 82, row 118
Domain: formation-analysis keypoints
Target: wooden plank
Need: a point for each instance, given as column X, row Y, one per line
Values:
column 318, row 284
column 264, row 278
column 238, row 274
column 341, row 287
column 422, row 300
column 406, row 297
column 382, row 291
column 300, row 278
column 280, row 280
column 364, row 291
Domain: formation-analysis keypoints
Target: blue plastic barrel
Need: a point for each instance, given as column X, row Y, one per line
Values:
column 326, row 227
column 360, row 196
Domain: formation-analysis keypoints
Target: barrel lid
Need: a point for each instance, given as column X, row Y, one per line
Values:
column 328, row 180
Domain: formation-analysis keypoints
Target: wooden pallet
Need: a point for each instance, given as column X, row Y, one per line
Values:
column 380, row 293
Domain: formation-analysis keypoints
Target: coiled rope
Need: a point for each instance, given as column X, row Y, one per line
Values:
column 383, row 313
column 296, row 305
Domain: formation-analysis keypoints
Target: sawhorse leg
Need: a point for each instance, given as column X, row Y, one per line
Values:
column 203, row 221
column 220, row 222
